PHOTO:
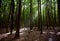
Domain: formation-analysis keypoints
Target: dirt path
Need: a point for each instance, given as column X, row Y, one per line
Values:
column 32, row 36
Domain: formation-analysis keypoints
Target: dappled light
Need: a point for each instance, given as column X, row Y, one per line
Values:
column 29, row 20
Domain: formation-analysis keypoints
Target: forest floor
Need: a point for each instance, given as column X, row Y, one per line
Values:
column 34, row 35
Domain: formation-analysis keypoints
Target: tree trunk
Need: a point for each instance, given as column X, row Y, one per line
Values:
column 31, row 15
column 18, row 20
column 54, row 14
column 48, row 14
column 58, row 1
column 12, row 13
column 39, row 16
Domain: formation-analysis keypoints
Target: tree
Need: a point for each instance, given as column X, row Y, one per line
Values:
column 54, row 15
column 18, row 20
column 58, row 1
column 31, row 15
column 39, row 16
column 8, row 19
column 12, row 13
column 47, row 13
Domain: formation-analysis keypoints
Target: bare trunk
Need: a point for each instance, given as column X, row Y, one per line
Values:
column 39, row 16
column 12, row 13
column 58, row 12
column 31, row 15
column 18, row 20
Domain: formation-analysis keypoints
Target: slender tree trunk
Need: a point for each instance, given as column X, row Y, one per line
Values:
column 23, row 13
column 18, row 20
column 0, row 12
column 49, row 18
column 0, row 17
column 12, row 13
column 52, row 17
column 31, row 15
column 8, row 20
column 48, row 15
column 43, row 16
column 23, row 16
column 54, row 14
column 39, row 16
column 58, row 1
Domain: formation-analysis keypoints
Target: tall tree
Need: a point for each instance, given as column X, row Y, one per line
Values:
column 39, row 16
column 18, row 20
column 23, row 13
column 12, row 13
column 47, row 14
column 8, row 19
column 54, row 14
column 58, row 1
column 31, row 15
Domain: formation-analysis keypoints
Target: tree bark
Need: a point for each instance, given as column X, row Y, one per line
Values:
column 58, row 1
column 18, row 20
column 31, row 15
column 54, row 15
column 12, row 13
column 39, row 16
